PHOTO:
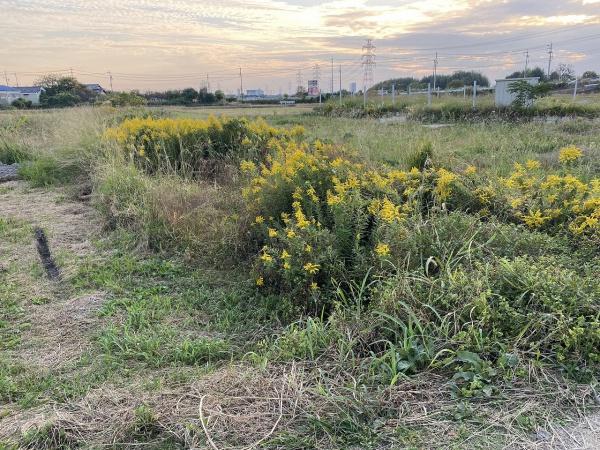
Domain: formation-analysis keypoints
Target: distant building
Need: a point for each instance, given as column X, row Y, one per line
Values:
column 95, row 88
column 8, row 94
column 353, row 88
column 313, row 88
column 503, row 95
column 255, row 93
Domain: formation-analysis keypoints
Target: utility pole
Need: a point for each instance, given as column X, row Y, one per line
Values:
column 368, row 62
column 526, row 63
column 110, row 79
column 435, row 64
column 550, row 54
column 428, row 94
column 474, row 93
column 340, row 84
column 207, row 84
column 6, row 77
column 16, row 80
column 332, row 77
column 575, row 89
column 241, row 85
column 393, row 94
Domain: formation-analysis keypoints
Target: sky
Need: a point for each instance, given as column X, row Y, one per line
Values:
column 157, row 45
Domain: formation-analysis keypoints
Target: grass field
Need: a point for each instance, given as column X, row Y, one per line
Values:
column 299, row 282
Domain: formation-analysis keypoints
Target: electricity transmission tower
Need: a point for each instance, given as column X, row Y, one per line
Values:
column 299, row 84
column 368, row 63
column 526, row 63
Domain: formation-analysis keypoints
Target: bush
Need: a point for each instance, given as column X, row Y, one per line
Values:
column 187, row 146
column 21, row 103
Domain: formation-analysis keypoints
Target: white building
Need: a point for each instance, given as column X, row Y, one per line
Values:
column 95, row 88
column 255, row 93
column 8, row 94
column 353, row 88
column 503, row 95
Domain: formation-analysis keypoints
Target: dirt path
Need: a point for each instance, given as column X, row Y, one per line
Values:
column 58, row 322
column 52, row 328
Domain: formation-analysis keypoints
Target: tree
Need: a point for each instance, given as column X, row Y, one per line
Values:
column 219, row 95
column 132, row 98
column 206, row 97
column 189, row 95
column 526, row 93
column 565, row 72
column 530, row 73
column 63, row 91
column 589, row 74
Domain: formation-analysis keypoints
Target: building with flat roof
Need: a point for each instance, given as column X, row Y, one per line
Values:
column 8, row 94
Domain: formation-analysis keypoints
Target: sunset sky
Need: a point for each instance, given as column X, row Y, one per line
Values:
column 174, row 44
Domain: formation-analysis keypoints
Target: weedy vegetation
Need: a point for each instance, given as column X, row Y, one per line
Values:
column 310, row 281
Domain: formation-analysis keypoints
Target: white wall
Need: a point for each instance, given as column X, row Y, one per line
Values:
column 506, row 98
column 6, row 98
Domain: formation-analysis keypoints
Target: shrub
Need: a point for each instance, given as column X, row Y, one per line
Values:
column 323, row 217
column 186, row 146
column 554, row 201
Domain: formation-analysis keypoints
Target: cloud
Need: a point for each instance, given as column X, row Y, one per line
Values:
column 174, row 44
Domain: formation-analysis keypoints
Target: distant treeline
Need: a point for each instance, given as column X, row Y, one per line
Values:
column 456, row 80
column 186, row 96
column 560, row 76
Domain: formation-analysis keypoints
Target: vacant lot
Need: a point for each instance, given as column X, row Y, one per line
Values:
column 298, row 282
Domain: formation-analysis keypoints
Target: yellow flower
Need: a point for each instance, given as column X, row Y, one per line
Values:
column 272, row 232
column 311, row 268
column 265, row 257
column 285, row 254
column 389, row 212
column 382, row 249
column 532, row 164
column 470, row 170
column 569, row 154
column 291, row 234
column 286, row 265
column 260, row 281
column 535, row 219
column 247, row 166
column 246, row 141
column 314, row 286
column 443, row 186
column 259, row 219
column 307, row 248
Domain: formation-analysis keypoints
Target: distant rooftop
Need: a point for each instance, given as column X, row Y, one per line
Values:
column 22, row 90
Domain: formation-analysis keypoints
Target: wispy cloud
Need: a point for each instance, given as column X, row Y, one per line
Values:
column 149, row 44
